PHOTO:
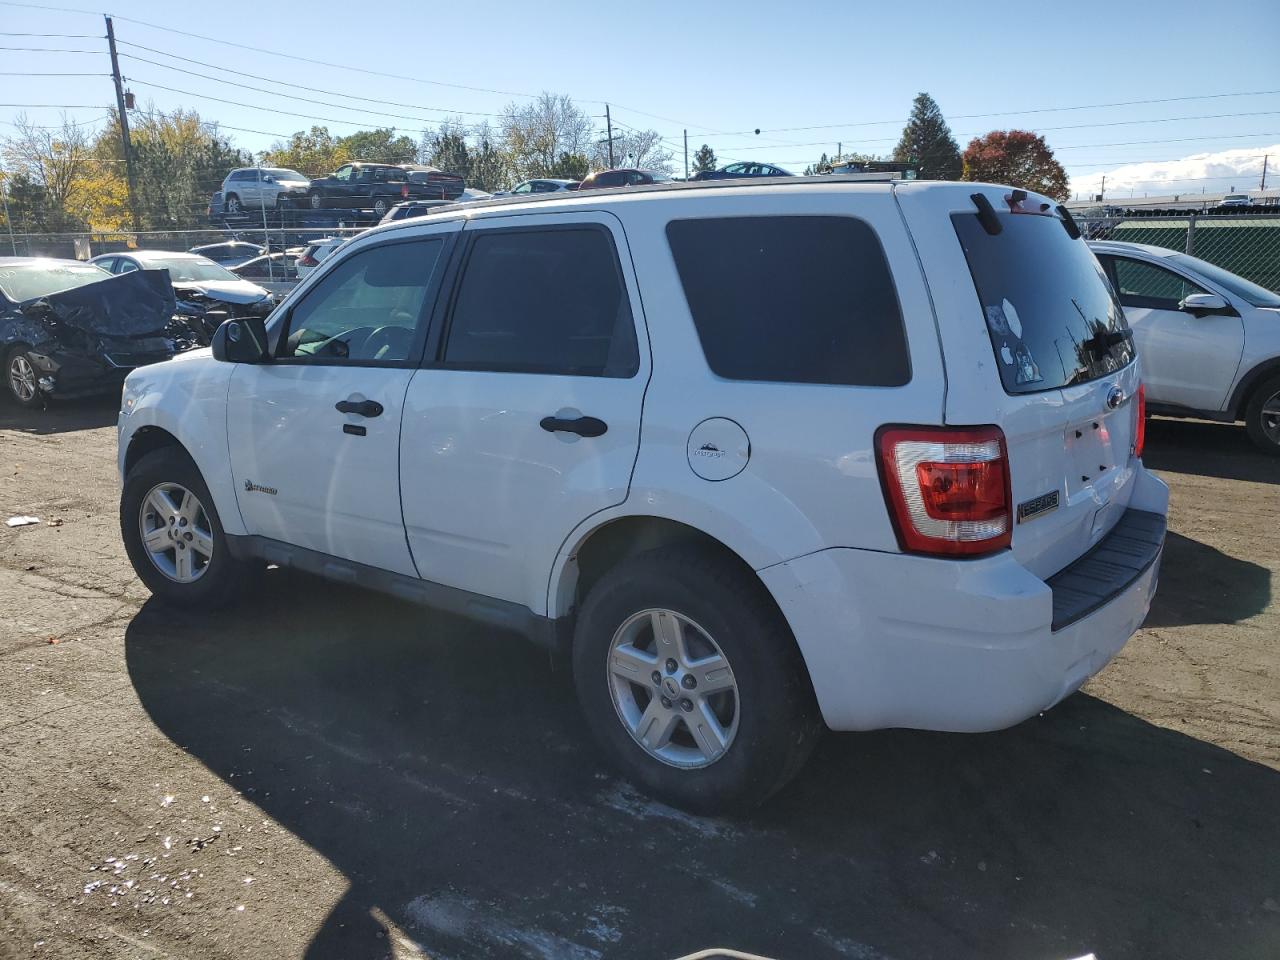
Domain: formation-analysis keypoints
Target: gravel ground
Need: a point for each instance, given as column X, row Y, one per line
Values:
column 322, row 773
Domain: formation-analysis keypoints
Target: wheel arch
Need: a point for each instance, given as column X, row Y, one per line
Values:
column 147, row 440
column 602, row 546
column 1243, row 392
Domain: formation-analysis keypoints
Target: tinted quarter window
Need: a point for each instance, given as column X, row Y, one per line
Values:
column 544, row 301
column 368, row 307
column 1049, row 310
column 792, row 299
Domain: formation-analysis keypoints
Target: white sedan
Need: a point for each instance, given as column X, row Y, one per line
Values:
column 1208, row 340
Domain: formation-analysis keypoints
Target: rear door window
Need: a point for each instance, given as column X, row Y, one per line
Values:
column 1050, row 312
column 543, row 301
column 792, row 299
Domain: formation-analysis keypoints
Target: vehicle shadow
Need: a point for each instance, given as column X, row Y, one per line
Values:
column 1200, row 584
column 1208, row 449
column 443, row 768
column 61, row 416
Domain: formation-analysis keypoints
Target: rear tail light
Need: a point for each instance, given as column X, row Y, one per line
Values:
column 1140, row 428
column 307, row 260
column 947, row 489
column 404, row 191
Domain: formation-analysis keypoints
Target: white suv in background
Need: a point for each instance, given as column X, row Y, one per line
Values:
column 755, row 457
column 1209, row 339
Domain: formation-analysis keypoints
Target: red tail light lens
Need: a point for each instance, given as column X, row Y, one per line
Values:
column 1140, row 428
column 307, row 260
column 404, row 191
column 947, row 489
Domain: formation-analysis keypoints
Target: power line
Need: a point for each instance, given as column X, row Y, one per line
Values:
column 292, row 96
column 287, row 83
column 1016, row 113
column 22, row 73
column 56, row 106
column 60, row 36
column 48, row 50
column 249, row 106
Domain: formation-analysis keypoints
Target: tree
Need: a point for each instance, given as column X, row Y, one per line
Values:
column 704, row 159
column 927, row 142
column 1018, row 158
column 634, row 148
column 379, row 146
column 314, row 152
column 536, row 135
column 46, row 166
column 571, row 166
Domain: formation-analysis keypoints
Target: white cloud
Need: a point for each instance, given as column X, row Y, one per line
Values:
column 1214, row 173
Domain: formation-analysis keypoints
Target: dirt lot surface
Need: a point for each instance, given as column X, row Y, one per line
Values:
column 323, row 773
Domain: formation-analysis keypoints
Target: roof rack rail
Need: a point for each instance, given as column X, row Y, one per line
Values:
column 675, row 186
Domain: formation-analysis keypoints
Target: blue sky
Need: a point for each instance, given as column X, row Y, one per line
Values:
column 721, row 71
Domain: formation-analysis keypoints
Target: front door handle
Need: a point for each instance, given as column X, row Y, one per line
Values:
column 361, row 408
column 582, row 426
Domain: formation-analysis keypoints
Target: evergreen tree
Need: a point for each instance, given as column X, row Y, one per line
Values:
column 927, row 142
column 704, row 159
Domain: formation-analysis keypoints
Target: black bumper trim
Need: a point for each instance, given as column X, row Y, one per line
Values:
column 1110, row 568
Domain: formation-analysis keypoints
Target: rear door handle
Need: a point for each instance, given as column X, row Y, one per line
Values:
column 361, row 408
column 582, row 426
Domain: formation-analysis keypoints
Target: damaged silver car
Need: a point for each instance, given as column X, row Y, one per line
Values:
column 206, row 292
column 71, row 329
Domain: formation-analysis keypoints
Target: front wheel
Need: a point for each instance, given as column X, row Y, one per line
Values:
column 173, row 535
column 21, row 379
column 316, row 200
column 1262, row 416
column 234, row 206
column 691, row 680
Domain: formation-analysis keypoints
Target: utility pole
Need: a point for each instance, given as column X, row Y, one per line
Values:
column 1265, row 159
column 839, row 149
column 608, row 122
column 124, row 126
column 686, row 159
column 1102, row 190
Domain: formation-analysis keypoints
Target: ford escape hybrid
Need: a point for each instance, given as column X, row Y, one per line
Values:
column 758, row 457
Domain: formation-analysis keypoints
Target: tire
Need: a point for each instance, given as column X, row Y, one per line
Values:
column 1262, row 416
column 315, row 200
column 21, row 378
column 233, row 205
column 221, row 578
column 768, row 718
column 380, row 206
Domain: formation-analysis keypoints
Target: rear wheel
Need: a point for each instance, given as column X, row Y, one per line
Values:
column 234, row 207
column 316, row 199
column 381, row 206
column 173, row 535
column 20, row 378
column 692, row 682
column 1262, row 416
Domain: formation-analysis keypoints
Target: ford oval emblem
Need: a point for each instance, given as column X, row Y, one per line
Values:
column 1115, row 397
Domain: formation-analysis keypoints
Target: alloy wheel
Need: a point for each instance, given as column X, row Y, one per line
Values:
column 1271, row 418
column 673, row 688
column 176, row 532
column 22, row 378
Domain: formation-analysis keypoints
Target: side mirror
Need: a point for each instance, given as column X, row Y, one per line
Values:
column 268, row 179
column 243, row 340
column 1202, row 304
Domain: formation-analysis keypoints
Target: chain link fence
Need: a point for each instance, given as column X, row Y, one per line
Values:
column 1247, row 244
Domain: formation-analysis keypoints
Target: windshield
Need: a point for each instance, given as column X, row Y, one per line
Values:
column 41, row 278
column 1246, row 290
column 1051, row 314
column 193, row 270
column 283, row 174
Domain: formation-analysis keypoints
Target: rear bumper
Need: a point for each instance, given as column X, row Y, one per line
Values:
column 893, row 640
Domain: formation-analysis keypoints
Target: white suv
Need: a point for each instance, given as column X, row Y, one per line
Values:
column 755, row 456
column 1209, row 339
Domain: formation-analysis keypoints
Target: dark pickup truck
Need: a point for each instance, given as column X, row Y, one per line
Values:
column 379, row 186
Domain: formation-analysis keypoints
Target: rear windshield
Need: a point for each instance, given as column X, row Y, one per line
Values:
column 1050, row 311
column 43, row 278
column 191, row 270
